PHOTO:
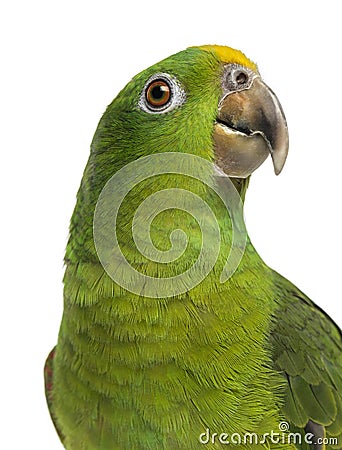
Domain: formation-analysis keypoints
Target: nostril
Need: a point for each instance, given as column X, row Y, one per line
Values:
column 241, row 78
column 237, row 78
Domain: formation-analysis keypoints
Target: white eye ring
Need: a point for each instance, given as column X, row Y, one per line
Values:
column 176, row 98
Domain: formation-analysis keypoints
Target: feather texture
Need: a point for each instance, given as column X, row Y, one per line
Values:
column 307, row 348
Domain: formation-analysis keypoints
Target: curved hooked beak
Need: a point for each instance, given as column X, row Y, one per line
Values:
column 250, row 125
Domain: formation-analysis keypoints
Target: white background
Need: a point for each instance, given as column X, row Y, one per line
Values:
column 61, row 64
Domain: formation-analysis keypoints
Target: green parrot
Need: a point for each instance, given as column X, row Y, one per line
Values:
column 156, row 350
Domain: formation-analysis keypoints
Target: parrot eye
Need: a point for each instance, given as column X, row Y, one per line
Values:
column 161, row 94
column 158, row 93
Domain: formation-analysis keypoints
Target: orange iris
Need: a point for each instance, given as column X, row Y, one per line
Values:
column 158, row 93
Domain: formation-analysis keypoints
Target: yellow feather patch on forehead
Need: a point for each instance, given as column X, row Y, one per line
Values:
column 229, row 55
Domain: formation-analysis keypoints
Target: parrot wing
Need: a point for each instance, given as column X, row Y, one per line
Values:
column 307, row 350
column 48, row 378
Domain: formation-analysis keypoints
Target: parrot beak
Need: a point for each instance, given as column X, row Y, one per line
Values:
column 250, row 125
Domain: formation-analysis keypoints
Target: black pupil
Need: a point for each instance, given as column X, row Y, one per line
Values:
column 158, row 92
column 241, row 78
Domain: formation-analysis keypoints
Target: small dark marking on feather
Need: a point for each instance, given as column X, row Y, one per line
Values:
column 318, row 431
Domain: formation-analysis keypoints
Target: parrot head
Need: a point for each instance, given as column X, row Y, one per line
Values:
column 207, row 100
column 193, row 126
